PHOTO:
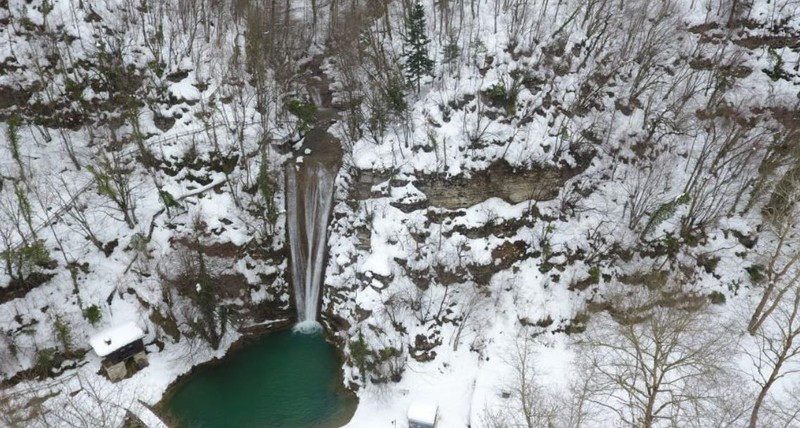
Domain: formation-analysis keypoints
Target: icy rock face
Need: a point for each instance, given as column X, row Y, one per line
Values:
column 309, row 195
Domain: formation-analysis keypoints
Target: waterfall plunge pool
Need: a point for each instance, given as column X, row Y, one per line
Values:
column 287, row 380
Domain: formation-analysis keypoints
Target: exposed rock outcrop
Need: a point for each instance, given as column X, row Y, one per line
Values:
column 500, row 180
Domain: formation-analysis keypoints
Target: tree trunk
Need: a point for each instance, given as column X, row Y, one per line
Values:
column 648, row 411
column 759, row 401
column 756, row 319
column 732, row 16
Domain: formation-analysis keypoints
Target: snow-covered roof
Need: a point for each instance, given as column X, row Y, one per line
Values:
column 111, row 339
column 424, row 412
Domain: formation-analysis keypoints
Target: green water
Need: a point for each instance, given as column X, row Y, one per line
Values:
column 286, row 380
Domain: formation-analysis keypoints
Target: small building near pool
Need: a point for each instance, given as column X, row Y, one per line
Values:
column 120, row 348
column 422, row 414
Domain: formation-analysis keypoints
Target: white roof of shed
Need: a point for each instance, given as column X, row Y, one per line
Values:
column 111, row 339
column 424, row 412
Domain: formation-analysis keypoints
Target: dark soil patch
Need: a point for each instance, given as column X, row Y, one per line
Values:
column 19, row 288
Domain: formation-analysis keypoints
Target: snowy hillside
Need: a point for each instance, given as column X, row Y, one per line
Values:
column 572, row 213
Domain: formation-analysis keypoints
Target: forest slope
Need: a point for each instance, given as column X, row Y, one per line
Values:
column 558, row 184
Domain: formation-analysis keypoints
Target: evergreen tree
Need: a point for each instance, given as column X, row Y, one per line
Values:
column 417, row 63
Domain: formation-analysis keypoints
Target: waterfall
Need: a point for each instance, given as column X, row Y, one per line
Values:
column 309, row 196
column 313, row 93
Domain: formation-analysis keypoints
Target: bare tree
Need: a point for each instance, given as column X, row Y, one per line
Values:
column 96, row 403
column 193, row 289
column 774, row 322
column 76, row 208
column 643, row 185
column 472, row 299
column 727, row 155
column 79, row 400
column 781, row 270
column 656, row 364
column 776, row 355
column 113, row 176
column 528, row 404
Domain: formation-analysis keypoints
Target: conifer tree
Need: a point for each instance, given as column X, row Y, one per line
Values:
column 417, row 63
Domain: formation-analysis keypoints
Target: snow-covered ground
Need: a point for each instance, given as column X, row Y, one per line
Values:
column 670, row 129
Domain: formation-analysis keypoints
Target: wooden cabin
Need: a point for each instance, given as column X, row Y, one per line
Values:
column 119, row 347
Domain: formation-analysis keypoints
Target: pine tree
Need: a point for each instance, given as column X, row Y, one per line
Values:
column 417, row 64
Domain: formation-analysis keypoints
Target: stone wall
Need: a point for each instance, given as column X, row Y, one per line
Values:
column 119, row 371
column 116, row 372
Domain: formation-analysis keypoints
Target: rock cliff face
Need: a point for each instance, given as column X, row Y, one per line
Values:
column 410, row 250
column 500, row 180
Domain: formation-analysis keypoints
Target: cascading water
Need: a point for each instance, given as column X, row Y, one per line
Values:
column 315, row 96
column 309, row 195
column 309, row 198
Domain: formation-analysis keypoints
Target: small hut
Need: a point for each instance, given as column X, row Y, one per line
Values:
column 119, row 346
column 422, row 414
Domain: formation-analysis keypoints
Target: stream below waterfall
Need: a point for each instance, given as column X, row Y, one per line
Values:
column 285, row 380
